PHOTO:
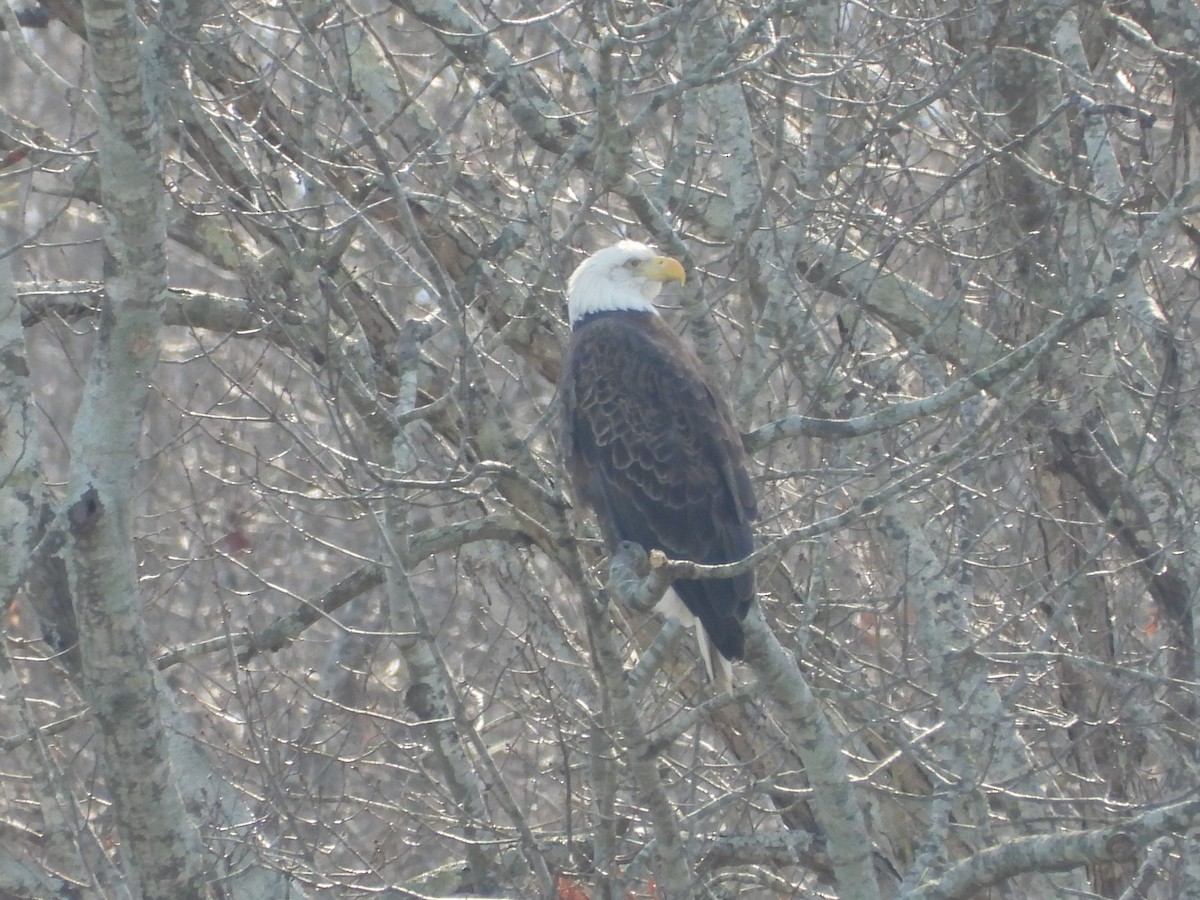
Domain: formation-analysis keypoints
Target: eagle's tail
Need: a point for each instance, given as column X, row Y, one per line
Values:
column 719, row 669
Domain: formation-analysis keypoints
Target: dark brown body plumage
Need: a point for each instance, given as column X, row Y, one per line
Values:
column 652, row 448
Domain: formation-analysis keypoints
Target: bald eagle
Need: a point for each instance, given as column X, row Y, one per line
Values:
column 650, row 442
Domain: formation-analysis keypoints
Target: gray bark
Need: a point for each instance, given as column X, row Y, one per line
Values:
column 119, row 680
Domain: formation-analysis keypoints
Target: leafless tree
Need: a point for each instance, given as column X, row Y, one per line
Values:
column 296, row 599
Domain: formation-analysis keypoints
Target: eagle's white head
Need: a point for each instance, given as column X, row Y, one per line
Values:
column 625, row 276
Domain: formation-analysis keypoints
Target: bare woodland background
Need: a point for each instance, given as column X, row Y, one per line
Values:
column 281, row 318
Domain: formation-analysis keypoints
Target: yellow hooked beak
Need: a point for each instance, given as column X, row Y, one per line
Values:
column 664, row 268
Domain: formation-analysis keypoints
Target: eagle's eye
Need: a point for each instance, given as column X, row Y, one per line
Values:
column 634, row 264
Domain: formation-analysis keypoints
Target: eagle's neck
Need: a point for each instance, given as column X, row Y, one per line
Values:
column 591, row 317
column 589, row 293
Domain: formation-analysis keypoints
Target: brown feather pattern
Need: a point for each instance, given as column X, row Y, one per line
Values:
column 652, row 448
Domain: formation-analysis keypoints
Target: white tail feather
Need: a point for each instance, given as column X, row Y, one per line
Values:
column 672, row 607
